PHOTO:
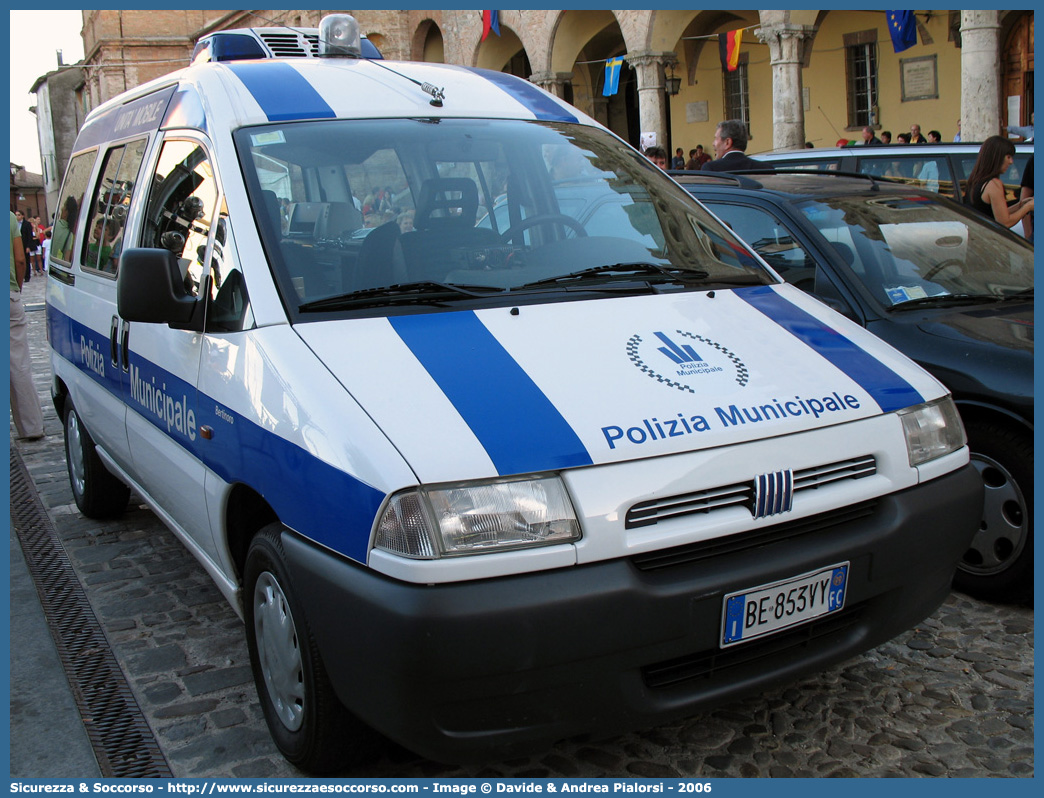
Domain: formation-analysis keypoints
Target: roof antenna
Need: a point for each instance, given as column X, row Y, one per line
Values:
column 437, row 94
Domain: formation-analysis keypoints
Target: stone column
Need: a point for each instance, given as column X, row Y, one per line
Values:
column 786, row 41
column 553, row 82
column 980, row 75
column 652, row 99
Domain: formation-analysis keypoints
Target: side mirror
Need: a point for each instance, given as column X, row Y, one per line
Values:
column 150, row 288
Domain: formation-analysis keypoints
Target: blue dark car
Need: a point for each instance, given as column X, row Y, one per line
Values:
column 950, row 289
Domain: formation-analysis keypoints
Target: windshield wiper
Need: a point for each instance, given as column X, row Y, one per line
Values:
column 422, row 292
column 598, row 274
column 942, row 300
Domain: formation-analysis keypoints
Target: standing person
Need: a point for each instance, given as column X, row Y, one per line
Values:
column 678, row 161
column 697, row 158
column 903, row 138
column 38, row 232
column 985, row 192
column 915, row 135
column 886, row 136
column 45, row 248
column 869, row 139
column 1025, row 193
column 730, row 141
column 658, row 155
column 25, row 228
column 957, row 136
column 25, row 404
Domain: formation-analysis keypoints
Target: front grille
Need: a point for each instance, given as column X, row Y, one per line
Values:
column 290, row 44
column 718, row 662
column 730, row 544
column 742, row 493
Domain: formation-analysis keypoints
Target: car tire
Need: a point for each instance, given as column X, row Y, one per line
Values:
column 97, row 491
column 308, row 723
column 998, row 566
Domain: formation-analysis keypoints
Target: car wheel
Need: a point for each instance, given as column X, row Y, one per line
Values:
column 998, row 565
column 98, row 492
column 309, row 725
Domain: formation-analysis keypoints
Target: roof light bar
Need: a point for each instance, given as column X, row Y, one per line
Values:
column 339, row 37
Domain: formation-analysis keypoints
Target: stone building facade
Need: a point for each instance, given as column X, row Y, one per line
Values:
column 810, row 75
column 60, row 110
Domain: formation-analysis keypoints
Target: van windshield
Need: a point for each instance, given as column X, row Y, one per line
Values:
column 358, row 215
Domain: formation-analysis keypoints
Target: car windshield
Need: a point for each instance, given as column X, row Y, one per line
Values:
column 364, row 214
column 915, row 249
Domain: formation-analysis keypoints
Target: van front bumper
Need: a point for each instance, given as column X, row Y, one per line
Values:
column 491, row 669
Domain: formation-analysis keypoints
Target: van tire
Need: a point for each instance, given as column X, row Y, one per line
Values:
column 97, row 491
column 998, row 566
column 308, row 723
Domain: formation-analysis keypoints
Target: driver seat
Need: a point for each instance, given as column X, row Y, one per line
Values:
column 444, row 229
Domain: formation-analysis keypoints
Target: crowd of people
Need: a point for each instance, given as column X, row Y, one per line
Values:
column 730, row 142
column 35, row 240
column 985, row 191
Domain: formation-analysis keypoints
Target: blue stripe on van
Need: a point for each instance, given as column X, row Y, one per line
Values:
column 888, row 389
column 530, row 96
column 514, row 421
column 281, row 91
column 312, row 497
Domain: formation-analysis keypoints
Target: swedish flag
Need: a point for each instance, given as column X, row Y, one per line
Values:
column 612, row 75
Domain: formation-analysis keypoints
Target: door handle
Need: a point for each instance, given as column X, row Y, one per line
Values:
column 125, row 345
column 113, row 332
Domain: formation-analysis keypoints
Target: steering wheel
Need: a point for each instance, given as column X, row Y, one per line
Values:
column 938, row 267
column 543, row 218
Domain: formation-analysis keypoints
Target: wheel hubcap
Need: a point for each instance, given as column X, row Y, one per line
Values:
column 1005, row 521
column 74, row 439
column 278, row 651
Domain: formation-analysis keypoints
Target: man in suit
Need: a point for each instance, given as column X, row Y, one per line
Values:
column 730, row 141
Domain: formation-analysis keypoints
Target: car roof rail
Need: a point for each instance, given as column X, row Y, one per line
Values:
column 734, row 178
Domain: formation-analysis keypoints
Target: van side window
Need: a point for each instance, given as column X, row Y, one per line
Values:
column 103, row 233
column 229, row 307
column 182, row 201
column 63, row 236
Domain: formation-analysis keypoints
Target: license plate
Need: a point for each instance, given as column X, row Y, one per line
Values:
column 765, row 609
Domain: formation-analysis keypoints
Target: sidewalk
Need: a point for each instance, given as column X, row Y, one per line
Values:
column 47, row 735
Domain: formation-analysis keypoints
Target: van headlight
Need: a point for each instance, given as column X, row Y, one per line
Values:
column 477, row 518
column 932, row 430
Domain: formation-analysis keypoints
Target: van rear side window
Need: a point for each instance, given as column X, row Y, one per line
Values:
column 64, row 234
column 108, row 213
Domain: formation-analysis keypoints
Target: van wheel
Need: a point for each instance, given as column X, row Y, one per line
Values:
column 310, row 726
column 998, row 565
column 98, row 493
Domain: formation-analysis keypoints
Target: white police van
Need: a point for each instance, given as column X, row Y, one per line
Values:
column 478, row 484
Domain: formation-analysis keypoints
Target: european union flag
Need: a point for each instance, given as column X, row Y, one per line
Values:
column 903, row 28
column 612, row 76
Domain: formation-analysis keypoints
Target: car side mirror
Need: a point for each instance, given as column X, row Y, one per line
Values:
column 150, row 288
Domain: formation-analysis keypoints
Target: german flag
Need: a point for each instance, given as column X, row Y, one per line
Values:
column 728, row 49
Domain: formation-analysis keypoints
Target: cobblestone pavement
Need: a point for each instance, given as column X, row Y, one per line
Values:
column 953, row 697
